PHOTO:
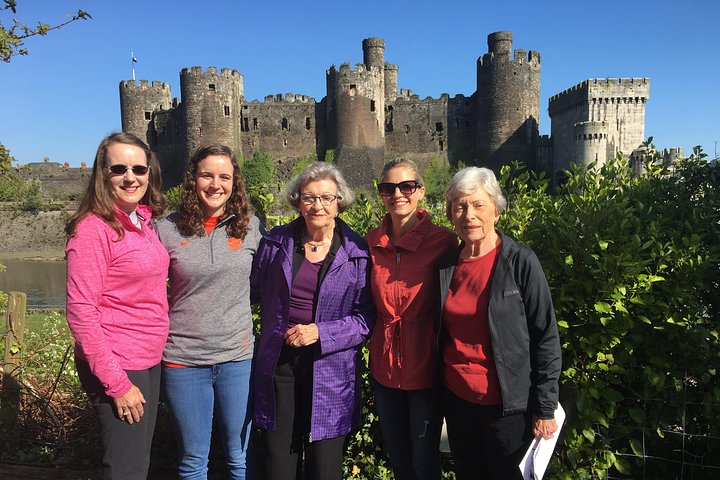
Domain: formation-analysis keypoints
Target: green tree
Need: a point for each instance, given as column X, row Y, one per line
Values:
column 12, row 38
column 5, row 160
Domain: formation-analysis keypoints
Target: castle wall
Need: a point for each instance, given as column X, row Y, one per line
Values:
column 418, row 126
column 283, row 126
column 460, row 130
column 508, row 103
column 621, row 104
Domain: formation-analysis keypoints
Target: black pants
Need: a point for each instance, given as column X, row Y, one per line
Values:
column 126, row 448
column 410, row 423
column 282, row 449
column 484, row 443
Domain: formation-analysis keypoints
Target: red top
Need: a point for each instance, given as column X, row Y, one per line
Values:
column 469, row 370
column 405, row 287
column 210, row 223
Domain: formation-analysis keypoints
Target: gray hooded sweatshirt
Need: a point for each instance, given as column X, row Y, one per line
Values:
column 210, row 317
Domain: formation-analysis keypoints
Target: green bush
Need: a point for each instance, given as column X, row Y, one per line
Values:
column 173, row 196
column 259, row 171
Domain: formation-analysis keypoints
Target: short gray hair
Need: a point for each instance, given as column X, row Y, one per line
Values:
column 467, row 181
column 320, row 171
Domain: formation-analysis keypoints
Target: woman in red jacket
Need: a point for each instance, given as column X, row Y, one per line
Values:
column 403, row 347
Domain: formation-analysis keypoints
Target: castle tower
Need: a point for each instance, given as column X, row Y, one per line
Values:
column 374, row 52
column 620, row 103
column 211, row 103
column 507, row 103
column 590, row 143
column 356, row 113
column 139, row 103
column 391, row 82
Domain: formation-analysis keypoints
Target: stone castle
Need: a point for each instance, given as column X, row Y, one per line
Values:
column 364, row 118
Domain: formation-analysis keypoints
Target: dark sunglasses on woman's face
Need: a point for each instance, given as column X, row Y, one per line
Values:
column 138, row 170
column 407, row 187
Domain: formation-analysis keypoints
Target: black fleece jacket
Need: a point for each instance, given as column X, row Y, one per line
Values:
column 523, row 329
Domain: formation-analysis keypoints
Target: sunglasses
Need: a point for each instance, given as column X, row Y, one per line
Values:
column 138, row 170
column 408, row 187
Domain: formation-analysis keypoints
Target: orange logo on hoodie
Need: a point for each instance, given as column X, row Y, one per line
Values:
column 234, row 243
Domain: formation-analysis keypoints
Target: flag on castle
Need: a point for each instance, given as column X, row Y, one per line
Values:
column 133, row 61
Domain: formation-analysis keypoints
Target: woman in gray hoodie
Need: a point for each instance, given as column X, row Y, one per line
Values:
column 211, row 239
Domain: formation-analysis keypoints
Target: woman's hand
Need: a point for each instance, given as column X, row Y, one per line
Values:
column 130, row 406
column 302, row 335
column 544, row 428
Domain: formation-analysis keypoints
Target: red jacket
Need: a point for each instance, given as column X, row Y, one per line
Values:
column 404, row 281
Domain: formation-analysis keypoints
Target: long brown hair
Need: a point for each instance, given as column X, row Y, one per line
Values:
column 97, row 198
column 190, row 211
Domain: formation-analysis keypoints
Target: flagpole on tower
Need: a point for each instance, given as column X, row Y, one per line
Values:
column 133, row 61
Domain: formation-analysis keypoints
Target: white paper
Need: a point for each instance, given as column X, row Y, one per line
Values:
column 536, row 459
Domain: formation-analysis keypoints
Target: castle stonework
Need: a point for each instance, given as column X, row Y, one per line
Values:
column 365, row 119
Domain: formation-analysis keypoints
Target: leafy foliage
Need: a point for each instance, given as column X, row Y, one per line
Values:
column 12, row 39
column 173, row 197
column 436, row 177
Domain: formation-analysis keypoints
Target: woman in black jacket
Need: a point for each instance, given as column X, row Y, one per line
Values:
column 501, row 349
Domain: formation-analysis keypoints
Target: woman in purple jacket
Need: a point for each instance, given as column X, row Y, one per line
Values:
column 311, row 278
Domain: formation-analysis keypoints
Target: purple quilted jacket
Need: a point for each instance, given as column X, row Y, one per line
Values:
column 344, row 317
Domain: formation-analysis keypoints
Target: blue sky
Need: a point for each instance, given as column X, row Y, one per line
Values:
column 60, row 100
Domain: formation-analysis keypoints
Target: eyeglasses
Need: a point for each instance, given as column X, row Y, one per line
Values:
column 138, row 170
column 326, row 199
column 407, row 187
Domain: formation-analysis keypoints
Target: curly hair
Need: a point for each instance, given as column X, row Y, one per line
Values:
column 191, row 221
column 98, row 199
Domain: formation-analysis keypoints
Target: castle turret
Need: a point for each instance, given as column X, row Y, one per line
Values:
column 374, row 52
column 508, row 103
column 391, row 82
column 211, row 101
column 590, row 143
column 356, row 112
column 139, row 103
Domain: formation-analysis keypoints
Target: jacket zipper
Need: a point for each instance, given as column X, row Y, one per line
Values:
column 397, row 310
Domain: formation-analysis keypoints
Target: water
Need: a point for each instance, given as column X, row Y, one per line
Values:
column 43, row 281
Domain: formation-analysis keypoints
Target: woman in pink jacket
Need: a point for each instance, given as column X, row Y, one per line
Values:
column 117, row 302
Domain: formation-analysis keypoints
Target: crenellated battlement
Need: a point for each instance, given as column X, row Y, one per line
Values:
column 289, row 98
column 590, row 131
column 145, row 85
column 583, row 88
column 520, row 57
column 224, row 72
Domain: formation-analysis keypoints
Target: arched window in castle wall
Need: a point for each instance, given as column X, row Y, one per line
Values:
column 255, row 123
column 353, row 90
column 438, row 127
column 307, row 123
column 285, row 124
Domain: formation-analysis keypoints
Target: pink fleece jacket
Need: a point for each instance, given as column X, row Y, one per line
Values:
column 117, row 298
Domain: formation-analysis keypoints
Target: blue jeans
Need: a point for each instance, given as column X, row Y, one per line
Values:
column 193, row 395
column 410, row 424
